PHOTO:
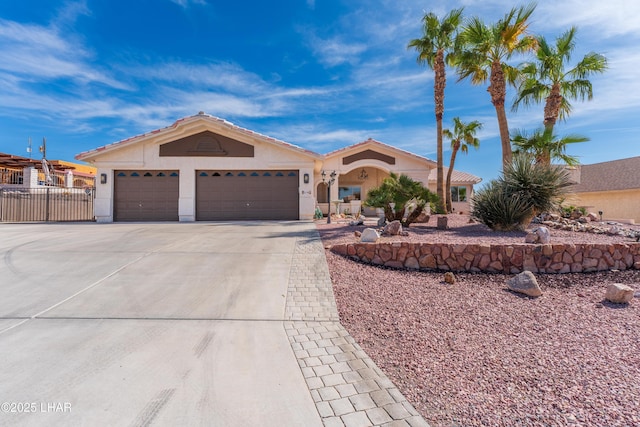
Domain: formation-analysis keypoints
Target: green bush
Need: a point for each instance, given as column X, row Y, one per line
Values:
column 524, row 190
column 408, row 196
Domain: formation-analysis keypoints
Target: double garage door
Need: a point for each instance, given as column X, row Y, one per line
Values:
column 220, row 195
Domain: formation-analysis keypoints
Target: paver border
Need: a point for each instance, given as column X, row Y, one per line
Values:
column 345, row 384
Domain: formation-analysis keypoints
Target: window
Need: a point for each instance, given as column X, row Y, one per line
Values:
column 349, row 193
column 458, row 194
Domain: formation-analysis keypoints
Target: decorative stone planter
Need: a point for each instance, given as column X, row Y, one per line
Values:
column 509, row 259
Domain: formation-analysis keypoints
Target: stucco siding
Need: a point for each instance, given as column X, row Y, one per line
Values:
column 622, row 204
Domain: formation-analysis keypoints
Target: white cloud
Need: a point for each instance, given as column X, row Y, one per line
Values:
column 335, row 51
column 34, row 52
column 187, row 3
column 608, row 19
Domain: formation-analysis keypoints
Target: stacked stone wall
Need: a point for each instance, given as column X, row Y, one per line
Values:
column 510, row 259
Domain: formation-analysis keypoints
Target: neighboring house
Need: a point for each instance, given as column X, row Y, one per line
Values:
column 461, row 188
column 610, row 187
column 13, row 170
column 205, row 168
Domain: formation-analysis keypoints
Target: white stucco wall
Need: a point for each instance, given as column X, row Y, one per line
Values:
column 377, row 170
column 145, row 155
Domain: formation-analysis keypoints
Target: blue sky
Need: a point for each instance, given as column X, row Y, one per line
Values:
column 318, row 74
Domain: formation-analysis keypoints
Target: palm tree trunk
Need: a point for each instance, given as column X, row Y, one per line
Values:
column 449, row 173
column 498, row 91
column 440, row 82
column 552, row 107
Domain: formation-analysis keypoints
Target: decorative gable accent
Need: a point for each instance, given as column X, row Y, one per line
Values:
column 206, row 144
column 368, row 155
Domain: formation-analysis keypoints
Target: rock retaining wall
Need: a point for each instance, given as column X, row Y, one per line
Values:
column 509, row 259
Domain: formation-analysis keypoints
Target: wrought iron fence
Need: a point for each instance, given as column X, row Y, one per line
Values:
column 50, row 204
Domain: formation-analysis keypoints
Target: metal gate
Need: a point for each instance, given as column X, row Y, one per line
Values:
column 50, row 204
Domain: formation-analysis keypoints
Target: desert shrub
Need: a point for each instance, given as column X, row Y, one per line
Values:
column 523, row 190
column 408, row 196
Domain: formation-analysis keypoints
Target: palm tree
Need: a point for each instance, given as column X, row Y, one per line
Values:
column 548, row 78
column 487, row 48
column 545, row 146
column 435, row 48
column 462, row 137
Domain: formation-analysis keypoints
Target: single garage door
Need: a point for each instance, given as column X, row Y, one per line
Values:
column 146, row 195
column 246, row 195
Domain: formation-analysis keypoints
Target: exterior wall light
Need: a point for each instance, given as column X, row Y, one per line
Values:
column 103, row 178
column 306, row 178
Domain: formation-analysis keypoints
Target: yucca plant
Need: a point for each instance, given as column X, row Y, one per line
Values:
column 496, row 208
column 523, row 190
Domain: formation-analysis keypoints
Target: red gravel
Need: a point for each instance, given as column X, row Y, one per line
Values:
column 462, row 231
column 475, row 354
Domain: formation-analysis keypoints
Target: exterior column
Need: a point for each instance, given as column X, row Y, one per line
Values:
column 68, row 179
column 30, row 177
column 187, row 196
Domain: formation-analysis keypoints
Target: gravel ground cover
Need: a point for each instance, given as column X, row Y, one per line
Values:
column 475, row 354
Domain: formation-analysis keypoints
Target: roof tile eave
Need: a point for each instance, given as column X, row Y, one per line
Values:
column 372, row 141
column 128, row 141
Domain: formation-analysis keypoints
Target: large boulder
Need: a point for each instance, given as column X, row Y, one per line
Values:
column 619, row 293
column 525, row 283
column 369, row 235
column 393, row 228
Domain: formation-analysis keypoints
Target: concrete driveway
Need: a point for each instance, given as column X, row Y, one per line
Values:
column 141, row 324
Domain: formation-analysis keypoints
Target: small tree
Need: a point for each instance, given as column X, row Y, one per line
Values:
column 461, row 138
column 409, row 197
column 523, row 190
column 546, row 146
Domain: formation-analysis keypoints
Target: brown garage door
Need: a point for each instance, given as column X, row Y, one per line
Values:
column 247, row 194
column 146, row 195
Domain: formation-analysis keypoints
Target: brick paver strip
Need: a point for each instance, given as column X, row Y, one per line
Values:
column 345, row 384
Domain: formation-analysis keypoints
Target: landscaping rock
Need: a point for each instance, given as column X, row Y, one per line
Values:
column 423, row 218
column 593, row 216
column 531, row 238
column 358, row 221
column 393, row 228
column 619, row 293
column 449, row 278
column 544, row 237
column 369, row 235
column 382, row 222
column 443, row 223
column 357, row 233
column 525, row 283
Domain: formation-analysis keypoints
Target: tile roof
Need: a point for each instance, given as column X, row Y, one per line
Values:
column 621, row 174
column 371, row 141
column 456, row 176
column 200, row 116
